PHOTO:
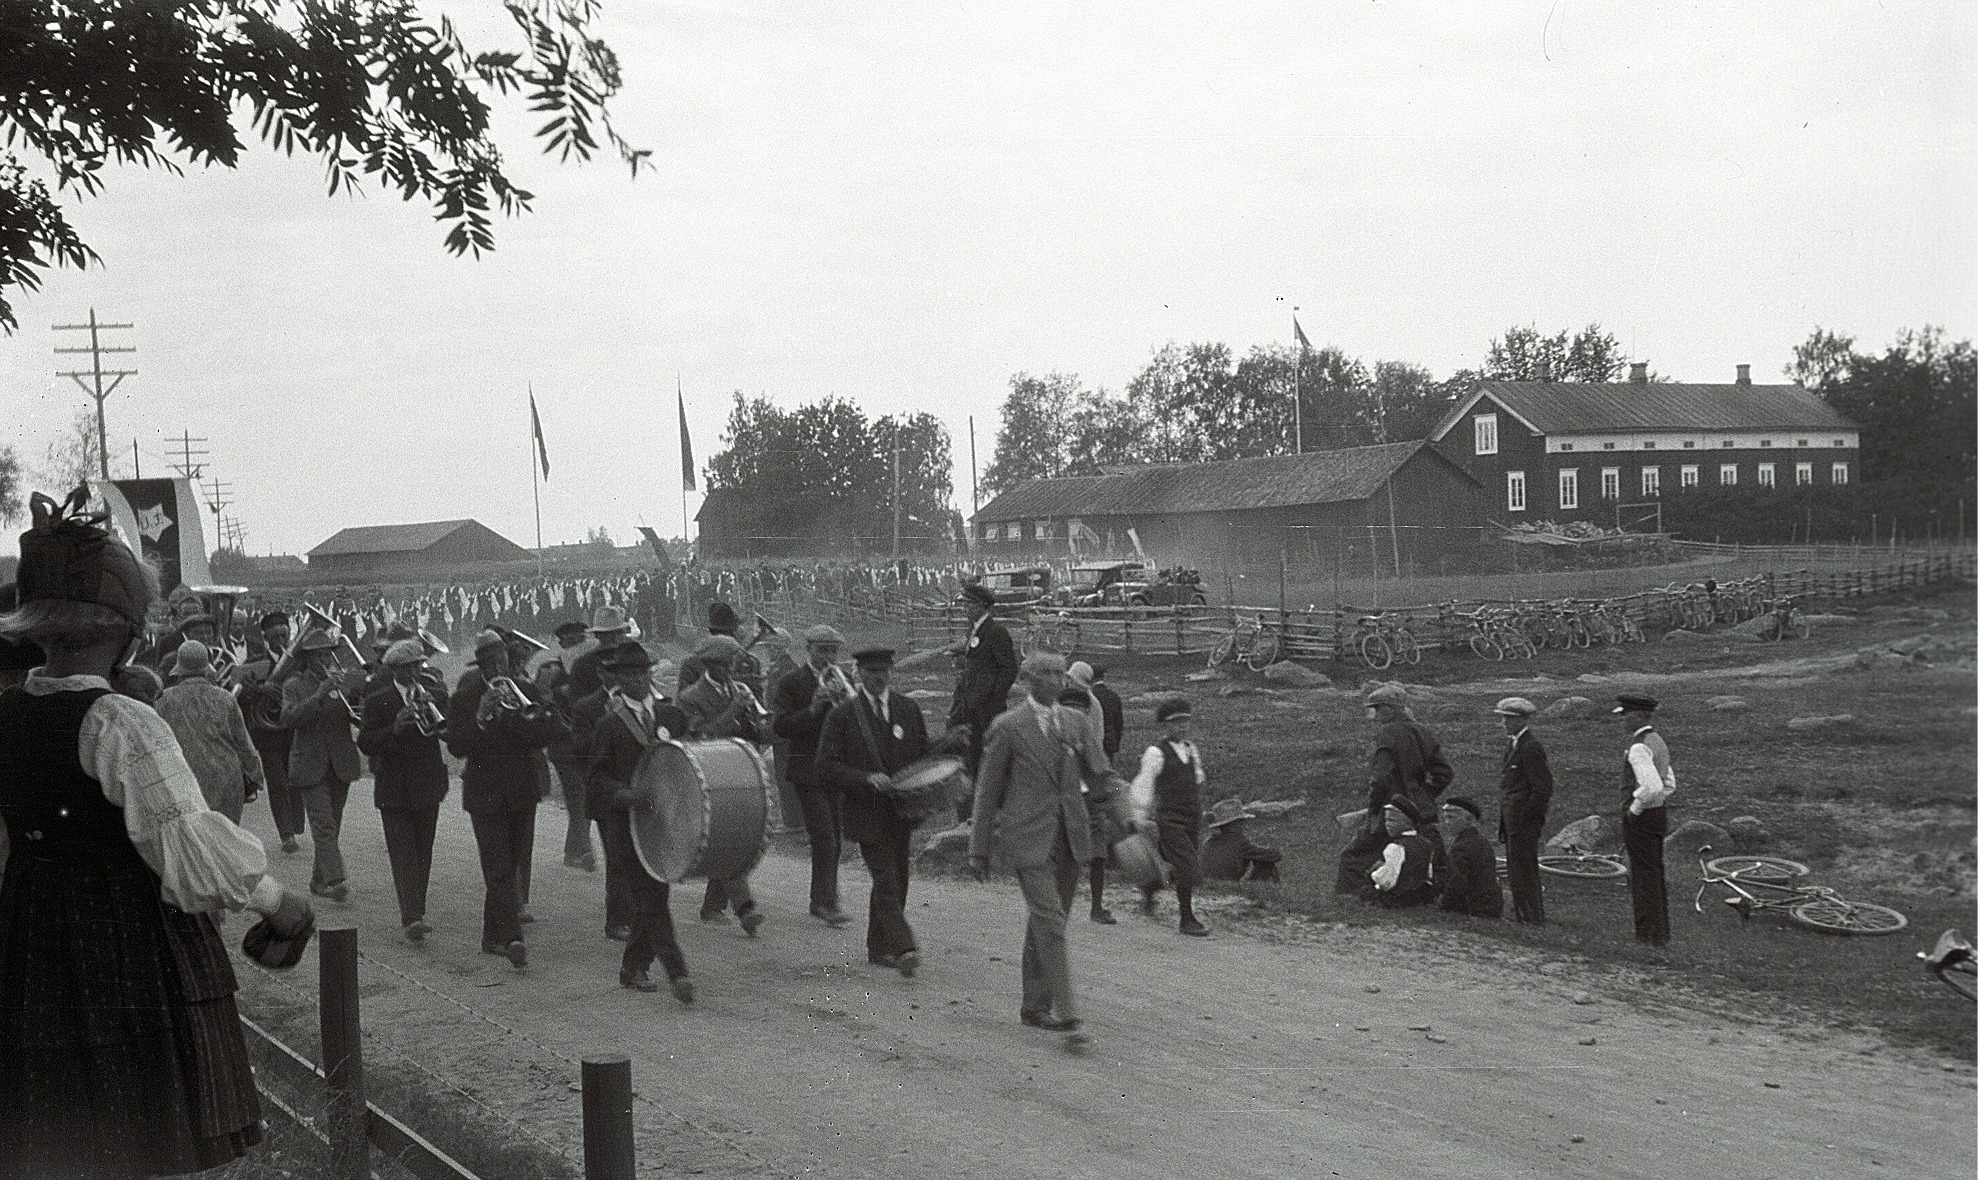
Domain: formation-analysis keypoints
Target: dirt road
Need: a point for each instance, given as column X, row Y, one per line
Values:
column 1247, row 1054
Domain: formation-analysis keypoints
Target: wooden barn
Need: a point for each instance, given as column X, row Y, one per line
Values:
column 369, row 551
column 1364, row 501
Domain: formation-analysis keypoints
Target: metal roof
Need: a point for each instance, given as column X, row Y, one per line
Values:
column 389, row 538
column 1276, row 481
column 1621, row 407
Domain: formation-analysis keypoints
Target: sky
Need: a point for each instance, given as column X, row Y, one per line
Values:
column 907, row 204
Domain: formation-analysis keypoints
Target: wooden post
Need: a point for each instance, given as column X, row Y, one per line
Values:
column 608, row 1153
column 343, row 1054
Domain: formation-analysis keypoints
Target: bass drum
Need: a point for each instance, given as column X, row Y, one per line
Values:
column 713, row 804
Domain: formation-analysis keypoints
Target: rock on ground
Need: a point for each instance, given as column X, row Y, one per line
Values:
column 1692, row 835
column 1681, row 636
column 1729, row 704
column 1207, row 674
column 1814, row 723
column 1748, row 833
column 1591, row 833
column 1570, row 709
column 1292, row 675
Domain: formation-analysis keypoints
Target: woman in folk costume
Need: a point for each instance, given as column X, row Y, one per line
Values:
column 121, row 1051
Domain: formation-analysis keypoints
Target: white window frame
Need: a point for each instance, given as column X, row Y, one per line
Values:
column 1690, row 476
column 1651, row 483
column 1839, row 475
column 1485, row 426
column 1768, row 475
column 1514, row 491
column 1610, row 483
column 1041, row 529
column 1727, row 475
column 1802, row 474
column 1569, row 487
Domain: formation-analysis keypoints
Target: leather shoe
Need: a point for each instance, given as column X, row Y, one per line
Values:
column 618, row 933
column 1104, row 918
column 338, row 893
column 289, row 845
column 906, row 963
column 1048, row 1022
column 751, row 921
column 1078, row 1043
column 715, row 917
column 637, row 981
column 518, row 954
column 1194, row 928
column 1147, row 902
column 417, row 931
column 524, row 916
column 890, row 962
column 683, row 989
column 831, row 916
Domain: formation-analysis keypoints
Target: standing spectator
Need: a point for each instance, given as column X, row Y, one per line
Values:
column 1109, row 824
column 409, row 776
column 1524, row 797
column 1112, row 711
column 1168, row 790
column 322, row 760
column 1471, row 887
column 989, row 670
column 802, row 699
column 1648, row 780
column 212, row 733
column 1406, row 762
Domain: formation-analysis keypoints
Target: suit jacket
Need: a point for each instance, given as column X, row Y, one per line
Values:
column 617, row 741
column 1033, row 784
column 989, row 664
column 407, row 770
column 844, row 759
column 1407, row 760
column 1471, row 887
column 1112, row 713
column 704, row 704
column 501, row 773
column 799, row 724
column 322, row 747
column 1526, row 789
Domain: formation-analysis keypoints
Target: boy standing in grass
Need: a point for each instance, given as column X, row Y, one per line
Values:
column 1169, row 790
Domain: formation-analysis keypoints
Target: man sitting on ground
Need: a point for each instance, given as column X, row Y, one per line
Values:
column 1405, row 876
column 1471, row 887
column 1229, row 854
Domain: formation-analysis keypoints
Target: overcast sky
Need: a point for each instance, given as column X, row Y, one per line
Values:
column 905, row 204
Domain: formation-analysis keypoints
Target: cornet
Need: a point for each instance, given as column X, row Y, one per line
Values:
column 426, row 714
column 763, row 630
column 837, row 685
column 505, row 699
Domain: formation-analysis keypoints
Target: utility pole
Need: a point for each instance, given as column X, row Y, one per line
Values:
column 216, row 501
column 96, row 373
column 136, row 465
column 896, row 489
column 191, row 462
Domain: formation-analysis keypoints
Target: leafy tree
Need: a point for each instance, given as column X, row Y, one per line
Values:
column 12, row 483
column 599, row 539
column 1408, row 400
column 371, row 87
column 1034, row 439
column 71, row 459
column 1336, row 391
column 1915, row 403
column 1522, row 354
column 1827, row 358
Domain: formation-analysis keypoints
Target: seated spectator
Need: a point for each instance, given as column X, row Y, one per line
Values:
column 1361, row 854
column 1405, row 875
column 1229, row 854
column 1471, row 886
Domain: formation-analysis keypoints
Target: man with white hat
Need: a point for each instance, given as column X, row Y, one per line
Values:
column 802, row 698
column 1525, row 793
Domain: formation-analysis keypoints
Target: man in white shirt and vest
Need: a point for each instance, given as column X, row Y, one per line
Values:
column 1647, row 781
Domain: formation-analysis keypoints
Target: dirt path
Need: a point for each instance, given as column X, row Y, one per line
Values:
column 1235, row 1056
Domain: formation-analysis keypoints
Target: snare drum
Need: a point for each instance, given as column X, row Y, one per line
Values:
column 923, row 788
column 712, row 809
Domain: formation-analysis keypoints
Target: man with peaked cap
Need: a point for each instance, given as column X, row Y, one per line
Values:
column 409, row 777
column 1524, row 795
column 323, row 760
column 863, row 742
column 1647, row 781
column 802, row 699
column 1168, row 792
column 634, row 720
column 989, row 671
column 1406, row 761
column 719, row 706
column 1471, row 887
column 1406, row 875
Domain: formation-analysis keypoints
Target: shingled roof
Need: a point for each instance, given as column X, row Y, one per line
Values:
column 389, row 538
column 1277, row 481
column 1623, row 407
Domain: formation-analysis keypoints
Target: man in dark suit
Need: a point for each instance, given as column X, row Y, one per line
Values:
column 1524, row 796
column 989, row 670
column 864, row 741
column 408, row 774
column 553, row 677
column 1112, row 711
column 632, row 721
column 583, row 716
column 803, row 697
column 261, row 700
column 1471, row 887
column 322, row 760
column 498, row 787
column 719, row 706
column 1407, row 762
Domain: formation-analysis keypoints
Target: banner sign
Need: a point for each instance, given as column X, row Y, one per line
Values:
column 159, row 520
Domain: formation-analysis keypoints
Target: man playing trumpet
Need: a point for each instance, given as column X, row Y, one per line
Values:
column 802, row 698
column 401, row 733
column 322, row 760
column 719, row 706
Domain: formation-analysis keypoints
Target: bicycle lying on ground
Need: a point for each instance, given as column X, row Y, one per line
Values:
column 1772, row 883
column 1952, row 962
column 1575, row 861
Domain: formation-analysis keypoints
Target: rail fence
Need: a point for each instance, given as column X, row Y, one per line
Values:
column 1332, row 633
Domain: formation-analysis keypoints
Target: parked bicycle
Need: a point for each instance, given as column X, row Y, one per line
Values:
column 1951, row 961
column 1772, row 883
column 1789, row 620
column 1382, row 639
column 1251, row 642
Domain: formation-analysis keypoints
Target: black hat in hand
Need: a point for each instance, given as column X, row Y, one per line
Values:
column 273, row 949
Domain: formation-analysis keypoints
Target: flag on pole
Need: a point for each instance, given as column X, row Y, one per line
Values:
column 686, row 449
column 159, row 520
column 535, row 421
column 1300, row 333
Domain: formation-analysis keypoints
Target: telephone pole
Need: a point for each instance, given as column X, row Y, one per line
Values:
column 896, row 489
column 94, row 387
column 190, row 462
column 216, row 502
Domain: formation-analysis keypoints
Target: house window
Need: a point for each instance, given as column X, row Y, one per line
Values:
column 1768, row 475
column 1606, row 446
column 1486, row 425
column 1764, row 442
column 1799, row 442
column 1610, row 483
column 1648, row 444
column 1569, row 487
column 1041, row 530
column 1565, row 446
column 1514, row 491
column 1840, row 442
column 1729, row 443
column 1727, row 475
column 1651, row 482
column 1802, row 474
column 1840, row 473
column 1688, row 476
column 1689, row 444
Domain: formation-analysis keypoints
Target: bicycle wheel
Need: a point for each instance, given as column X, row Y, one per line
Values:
column 1374, row 650
column 1578, row 632
column 1592, row 867
column 1774, row 870
column 1224, row 651
column 1264, row 652
column 1837, row 915
column 1485, row 647
column 1800, row 628
column 1961, row 977
column 1631, row 631
column 1405, row 647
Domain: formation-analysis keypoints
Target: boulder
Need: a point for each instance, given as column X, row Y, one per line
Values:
column 1762, row 627
column 1728, row 704
column 1571, row 709
column 1207, row 674
column 1681, row 636
column 1813, row 724
column 1594, row 678
column 1291, row 675
column 1692, row 835
column 1590, row 833
column 1748, row 834
column 1235, row 690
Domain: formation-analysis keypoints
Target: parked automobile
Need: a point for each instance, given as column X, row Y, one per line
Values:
column 1018, row 585
column 1131, row 583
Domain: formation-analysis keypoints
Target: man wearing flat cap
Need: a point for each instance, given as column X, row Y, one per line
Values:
column 719, row 706
column 1406, row 762
column 408, row 774
column 1524, row 796
column 1471, row 886
column 989, row 671
column 1647, row 781
column 802, row 699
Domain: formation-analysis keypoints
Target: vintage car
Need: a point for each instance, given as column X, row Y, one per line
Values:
column 1019, row 585
column 1131, row 583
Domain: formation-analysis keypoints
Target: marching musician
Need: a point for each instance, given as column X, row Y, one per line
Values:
column 261, row 683
column 634, row 719
column 582, row 717
column 401, row 733
column 989, row 671
column 609, row 628
column 866, row 740
column 742, row 667
column 719, row 706
column 322, row 760
column 553, row 676
column 802, row 699
column 499, row 725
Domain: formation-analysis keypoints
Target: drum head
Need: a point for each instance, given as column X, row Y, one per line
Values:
column 925, row 773
column 710, row 813
column 670, row 834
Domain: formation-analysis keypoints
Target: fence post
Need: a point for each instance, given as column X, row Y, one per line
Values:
column 343, row 1054
column 607, row 1083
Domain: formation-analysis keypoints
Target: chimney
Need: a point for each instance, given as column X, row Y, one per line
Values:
column 1744, row 374
column 1638, row 373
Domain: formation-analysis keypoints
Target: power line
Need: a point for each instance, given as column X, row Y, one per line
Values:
column 188, row 462
column 96, row 373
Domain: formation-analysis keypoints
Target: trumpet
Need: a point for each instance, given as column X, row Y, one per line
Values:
column 505, row 699
column 427, row 716
column 837, row 685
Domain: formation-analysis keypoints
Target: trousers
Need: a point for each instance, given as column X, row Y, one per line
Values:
column 649, row 901
column 723, row 892
column 823, row 809
column 886, row 929
column 1647, row 883
column 576, row 809
column 409, row 845
column 284, row 800
column 323, row 802
column 1521, row 869
column 1047, row 893
column 504, row 839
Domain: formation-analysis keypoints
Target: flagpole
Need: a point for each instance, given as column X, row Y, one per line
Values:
column 680, row 396
column 535, row 485
column 1297, row 397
